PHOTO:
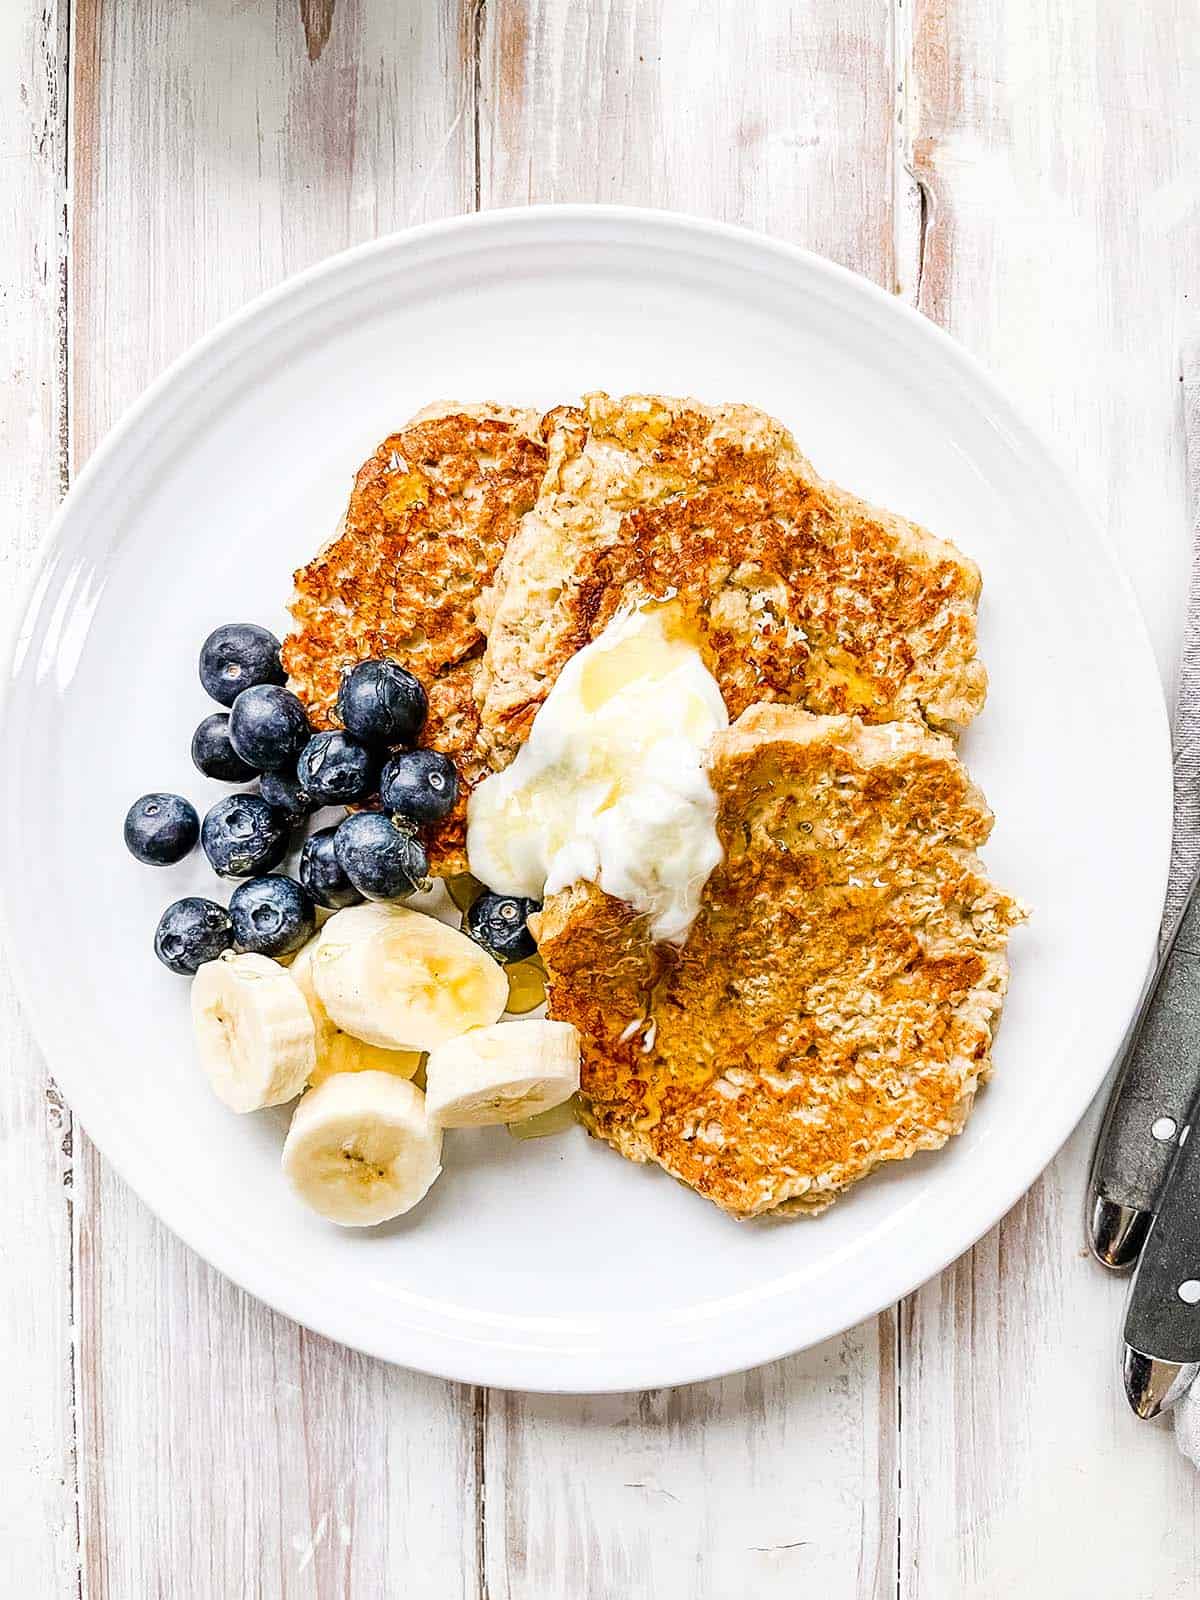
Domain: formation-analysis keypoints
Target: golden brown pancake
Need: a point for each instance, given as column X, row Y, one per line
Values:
column 834, row 1004
column 801, row 592
column 428, row 520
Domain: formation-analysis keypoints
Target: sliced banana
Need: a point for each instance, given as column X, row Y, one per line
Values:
column 344, row 1053
column 301, row 972
column 254, row 1033
column 361, row 1148
column 338, row 1051
column 397, row 979
column 504, row 1073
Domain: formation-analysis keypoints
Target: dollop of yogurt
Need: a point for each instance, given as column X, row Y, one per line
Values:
column 611, row 786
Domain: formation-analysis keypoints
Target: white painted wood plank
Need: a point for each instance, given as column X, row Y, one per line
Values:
column 217, row 147
column 1023, row 1470
column 778, row 116
column 38, row 1541
column 225, row 1451
column 770, row 113
column 1060, row 151
column 213, row 158
column 776, row 1482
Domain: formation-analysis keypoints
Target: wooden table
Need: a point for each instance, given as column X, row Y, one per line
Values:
column 1027, row 172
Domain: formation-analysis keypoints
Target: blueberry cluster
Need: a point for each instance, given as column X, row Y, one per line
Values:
column 373, row 853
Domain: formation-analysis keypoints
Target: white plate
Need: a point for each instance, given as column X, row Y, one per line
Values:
column 556, row 1265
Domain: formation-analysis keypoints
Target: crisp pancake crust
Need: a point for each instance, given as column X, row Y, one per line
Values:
column 802, row 593
column 428, row 520
column 834, row 1004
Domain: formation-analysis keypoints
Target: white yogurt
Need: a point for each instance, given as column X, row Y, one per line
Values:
column 611, row 786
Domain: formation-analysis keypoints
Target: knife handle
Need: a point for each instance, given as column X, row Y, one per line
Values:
column 1157, row 1081
column 1162, row 1317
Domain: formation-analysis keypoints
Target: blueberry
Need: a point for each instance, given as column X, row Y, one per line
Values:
column 421, row 785
column 284, row 794
column 243, row 835
column 335, row 768
column 268, row 727
column 161, row 829
column 381, row 858
column 191, row 932
column 236, row 656
column 272, row 916
column 215, row 756
column 500, row 923
column 321, row 875
column 382, row 703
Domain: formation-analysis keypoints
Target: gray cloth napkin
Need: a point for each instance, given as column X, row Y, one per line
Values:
column 1185, row 843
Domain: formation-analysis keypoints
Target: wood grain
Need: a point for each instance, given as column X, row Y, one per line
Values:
column 777, row 1482
column 38, row 1536
column 1058, row 151
column 781, row 1482
column 773, row 114
column 264, row 161
column 223, row 1450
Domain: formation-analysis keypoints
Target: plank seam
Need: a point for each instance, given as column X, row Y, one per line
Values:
column 481, row 1555
column 478, row 22
column 60, row 61
column 64, row 256
column 899, row 1447
column 912, row 201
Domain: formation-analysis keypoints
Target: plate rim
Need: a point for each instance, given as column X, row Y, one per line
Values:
column 532, row 1368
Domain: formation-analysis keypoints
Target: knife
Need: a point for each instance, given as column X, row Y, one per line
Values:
column 1157, row 1082
column 1162, row 1318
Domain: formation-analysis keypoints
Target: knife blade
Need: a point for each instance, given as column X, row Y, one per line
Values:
column 1162, row 1316
column 1157, row 1083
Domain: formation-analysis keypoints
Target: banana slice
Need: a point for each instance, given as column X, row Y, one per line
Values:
column 338, row 1051
column 254, row 1034
column 344, row 1053
column 361, row 1148
column 502, row 1074
column 394, row 978
column 301, row 973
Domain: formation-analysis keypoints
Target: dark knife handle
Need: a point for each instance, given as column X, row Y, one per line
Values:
column 1150, row 1104
column 1162, row 1318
